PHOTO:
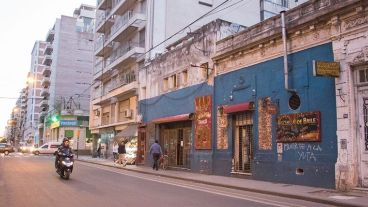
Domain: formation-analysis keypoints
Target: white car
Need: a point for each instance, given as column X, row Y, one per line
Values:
column 48, row 148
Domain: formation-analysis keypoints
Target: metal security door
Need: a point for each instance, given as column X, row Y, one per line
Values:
column 243, row 143
column 363, row 136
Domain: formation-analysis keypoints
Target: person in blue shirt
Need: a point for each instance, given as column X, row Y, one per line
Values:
column 156, row 152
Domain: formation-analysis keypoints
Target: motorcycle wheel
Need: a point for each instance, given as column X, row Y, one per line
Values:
column 66, row 175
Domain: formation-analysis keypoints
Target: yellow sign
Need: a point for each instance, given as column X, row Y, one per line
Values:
column 321, row 68
column 55, row 125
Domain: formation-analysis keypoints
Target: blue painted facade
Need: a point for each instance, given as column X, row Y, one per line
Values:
column 316, row 94
column 175, row 103
column 251, row 84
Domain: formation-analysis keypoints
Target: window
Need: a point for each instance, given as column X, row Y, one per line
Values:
column 54, row 146
column 173, row 81
column 184, row 77
column 166, row 84
column 363, row 75
column 204, row 70
column 45, row 146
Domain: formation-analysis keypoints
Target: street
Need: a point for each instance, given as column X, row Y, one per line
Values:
column 27, row 180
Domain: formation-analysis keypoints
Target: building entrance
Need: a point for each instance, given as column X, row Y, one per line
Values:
column 176, row 139
column 243, row 142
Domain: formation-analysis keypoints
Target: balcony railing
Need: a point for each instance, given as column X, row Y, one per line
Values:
column 121, row 21
column 102, row 18
column 46, row 72
column 50, row 35
column 45, row 92
column 100, row 42
column 48, row 49
column 45, row 82
column 47, row 60
column 44, row 103
column 121, row 80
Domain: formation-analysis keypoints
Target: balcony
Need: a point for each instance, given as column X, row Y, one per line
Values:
column 49, row 49
column 44, row 103
column 50, row 35
column 47, row 60
column 101, row 46
column 24, row 105
column 126, row 24
column 45, row 82
column 124, row 53
column 45, row 92
column 104, row 21
column 46, row 72
column 116, row 90
column 103, row 4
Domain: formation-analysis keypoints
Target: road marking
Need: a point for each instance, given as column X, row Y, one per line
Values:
column 204, row 189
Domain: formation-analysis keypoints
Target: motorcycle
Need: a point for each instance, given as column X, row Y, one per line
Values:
column 65, row 165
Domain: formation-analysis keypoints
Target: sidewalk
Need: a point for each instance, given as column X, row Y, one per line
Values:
column 319, row 195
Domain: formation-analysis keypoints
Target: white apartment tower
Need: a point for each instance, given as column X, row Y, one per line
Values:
column 34, row 87
column 67, row 73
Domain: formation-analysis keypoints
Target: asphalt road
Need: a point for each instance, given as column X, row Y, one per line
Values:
column 27, row 180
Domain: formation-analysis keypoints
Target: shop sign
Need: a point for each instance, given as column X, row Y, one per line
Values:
column 300, row 127
column 64, row 123
column 55, row 125
column 203, row 123
column 331, row 69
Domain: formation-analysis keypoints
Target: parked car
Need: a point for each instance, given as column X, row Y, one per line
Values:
column 48, row 148
column 6, row 149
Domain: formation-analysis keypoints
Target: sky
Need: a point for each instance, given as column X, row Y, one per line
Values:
column 22, row 22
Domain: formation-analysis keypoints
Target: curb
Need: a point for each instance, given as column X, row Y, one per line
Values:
column 299, row 197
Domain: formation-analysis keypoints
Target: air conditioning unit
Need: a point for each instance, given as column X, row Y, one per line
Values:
column 97, row 113
column 128, row 113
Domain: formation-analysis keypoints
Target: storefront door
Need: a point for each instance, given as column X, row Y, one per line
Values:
column 141, row 145
column 243, row 142
column 177, row 144
column 363, row 135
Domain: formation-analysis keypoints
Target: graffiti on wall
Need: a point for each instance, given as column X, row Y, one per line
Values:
column 300, row 127
column 222, row 123
column 265, row 111
column 203, row 123
column 304, row 152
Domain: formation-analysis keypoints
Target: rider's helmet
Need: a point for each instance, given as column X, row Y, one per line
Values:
column 66, row 142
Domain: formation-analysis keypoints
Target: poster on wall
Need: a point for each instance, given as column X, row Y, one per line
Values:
column 265, row 110
column 203, row 125
column 300, row 127
column 222, row 125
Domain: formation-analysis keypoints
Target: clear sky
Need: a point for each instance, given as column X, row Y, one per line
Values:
column 22, row 22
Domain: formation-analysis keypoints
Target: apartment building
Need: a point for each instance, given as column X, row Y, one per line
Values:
column 34, row 86
column 130, row 33
column 67, row 74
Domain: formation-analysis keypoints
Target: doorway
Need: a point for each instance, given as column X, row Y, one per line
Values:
column 243, row 142
column 363, row 136
column 141, row 145
column 177, row 144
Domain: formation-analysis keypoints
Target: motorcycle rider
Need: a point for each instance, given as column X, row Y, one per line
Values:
column 64, row 148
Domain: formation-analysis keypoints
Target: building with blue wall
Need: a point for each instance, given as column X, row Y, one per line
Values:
column 305, row 163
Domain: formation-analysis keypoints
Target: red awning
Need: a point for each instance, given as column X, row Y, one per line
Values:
column 227, row 109
column 181, row 117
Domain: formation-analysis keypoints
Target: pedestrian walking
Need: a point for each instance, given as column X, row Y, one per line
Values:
column 121, row 151
column 156, row 152
column 115, row 152
column 99, row 150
